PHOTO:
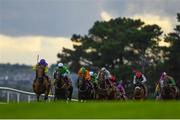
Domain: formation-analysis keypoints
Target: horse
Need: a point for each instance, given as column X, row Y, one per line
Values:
column 85, row 91
column 169, row 92
column 105, row 89
column 139, row 92
column 41, row 84
column 63, row 87
column 101, row 91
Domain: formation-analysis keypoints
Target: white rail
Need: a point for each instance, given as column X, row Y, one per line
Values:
column 18, row 92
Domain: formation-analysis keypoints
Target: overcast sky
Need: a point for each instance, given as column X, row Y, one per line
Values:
column 31, row 27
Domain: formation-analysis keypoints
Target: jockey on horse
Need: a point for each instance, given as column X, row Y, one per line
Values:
column 85, row 74
column 109, row 85
column 93, row 78
column 122, row 91
column 140, row 80
column 85, row 87
column 42, row 63
column 63, row 72
column 107, row 75
column 165, row 81
column 41, row 78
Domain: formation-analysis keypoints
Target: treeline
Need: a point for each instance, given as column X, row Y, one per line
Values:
column 16, row 76
column 124, row 45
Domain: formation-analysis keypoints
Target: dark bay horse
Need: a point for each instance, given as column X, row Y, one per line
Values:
column 169, row 92
column 41, row 84
column 85, row 91
column 139, row 91
column 105, row 89
column 63, row 87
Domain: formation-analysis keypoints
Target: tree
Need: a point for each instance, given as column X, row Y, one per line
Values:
column 173, row 63
column 116, row 42
column 121, row 45
column 73, row 58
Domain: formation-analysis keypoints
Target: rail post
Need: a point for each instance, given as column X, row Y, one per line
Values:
column 7, row 96
column 18, row 97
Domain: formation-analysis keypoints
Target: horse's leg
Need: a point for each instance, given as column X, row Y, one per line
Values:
column 92, row 94
column 47, row 88
column 70, row 92
column 79, row 96
column 54, row 97
column 36, row 89
column 38, row 97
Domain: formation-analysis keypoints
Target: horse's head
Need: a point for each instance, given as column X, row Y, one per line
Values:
column 57, row 75
column 139, row 92
column 82, row 84
column 101, row 76
column 101, row 80
column 137, row 88
column 40, row 71
column 81, row 80
column 60, row 80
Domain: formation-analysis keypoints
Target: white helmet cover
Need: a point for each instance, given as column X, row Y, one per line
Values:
column 60, row 65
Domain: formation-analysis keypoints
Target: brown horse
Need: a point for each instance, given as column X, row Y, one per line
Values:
column 105, row 89
column 139, row 93
column 41, row 84
column 169, row 92
column 63, row 87
column 101, row 91
column 85, row 90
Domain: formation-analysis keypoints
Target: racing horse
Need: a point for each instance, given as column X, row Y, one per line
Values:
column 63, row 87
column 105, row 89
column 139, row 92
column 169, row 92
column 85, row 90
column 41, row 84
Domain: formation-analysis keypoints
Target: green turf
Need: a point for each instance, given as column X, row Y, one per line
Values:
column 113, row 109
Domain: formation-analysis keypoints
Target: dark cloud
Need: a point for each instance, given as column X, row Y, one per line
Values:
column 47, row 17
column 65, row 17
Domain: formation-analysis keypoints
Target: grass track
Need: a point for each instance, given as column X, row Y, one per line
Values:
column 92, row 109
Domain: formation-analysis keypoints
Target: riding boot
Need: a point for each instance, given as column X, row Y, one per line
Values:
column 49, row 82
column 91, row 85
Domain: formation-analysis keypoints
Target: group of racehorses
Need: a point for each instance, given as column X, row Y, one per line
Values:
column 104, row 90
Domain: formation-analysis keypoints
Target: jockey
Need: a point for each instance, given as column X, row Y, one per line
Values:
column 164, row 77
column 140, row 79
column 121, row 90
column 93, row 78
column 107, row 75
column 63, row 70
column 42, row 63
column 83, row 72
column 113, row 80
column 170, row 81
column 161, row 80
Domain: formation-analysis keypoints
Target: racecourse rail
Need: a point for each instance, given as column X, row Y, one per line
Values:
column 18, row 92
